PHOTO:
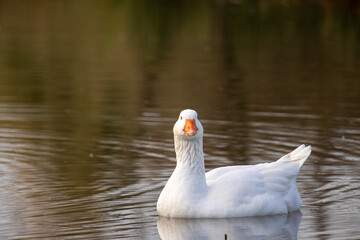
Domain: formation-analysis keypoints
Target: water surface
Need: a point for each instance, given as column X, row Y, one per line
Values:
column 90, row 90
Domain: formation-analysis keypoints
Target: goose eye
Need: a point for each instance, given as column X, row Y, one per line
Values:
column 181, row 118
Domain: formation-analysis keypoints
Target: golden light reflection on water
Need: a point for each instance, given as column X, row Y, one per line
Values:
column 89, row 93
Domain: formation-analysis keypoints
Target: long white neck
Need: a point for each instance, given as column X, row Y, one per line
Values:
column 187, row 184
column 190, row 156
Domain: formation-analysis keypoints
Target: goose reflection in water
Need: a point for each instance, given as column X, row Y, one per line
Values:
column 274, row 227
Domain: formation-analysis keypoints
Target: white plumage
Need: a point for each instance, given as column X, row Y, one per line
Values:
column 233, row 191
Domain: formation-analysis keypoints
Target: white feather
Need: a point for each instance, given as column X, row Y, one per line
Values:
column 233, row 191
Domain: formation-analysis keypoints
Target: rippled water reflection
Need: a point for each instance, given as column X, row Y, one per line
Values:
column 89, row 94
column 271, row 227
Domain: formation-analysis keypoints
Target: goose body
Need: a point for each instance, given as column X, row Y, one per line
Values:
column 226, row 192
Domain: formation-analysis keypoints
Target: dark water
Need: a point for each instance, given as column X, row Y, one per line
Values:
column 89, row 92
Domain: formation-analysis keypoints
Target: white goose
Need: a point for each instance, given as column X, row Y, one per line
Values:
column 225, row 192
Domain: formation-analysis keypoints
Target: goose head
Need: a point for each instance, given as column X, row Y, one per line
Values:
column 188, row 127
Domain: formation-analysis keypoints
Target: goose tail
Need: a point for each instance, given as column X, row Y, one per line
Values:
column 300, row 154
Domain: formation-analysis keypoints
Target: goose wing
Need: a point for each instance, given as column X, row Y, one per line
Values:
column 251, row 187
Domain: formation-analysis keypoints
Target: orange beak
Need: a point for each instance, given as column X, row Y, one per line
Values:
column 190, row 127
